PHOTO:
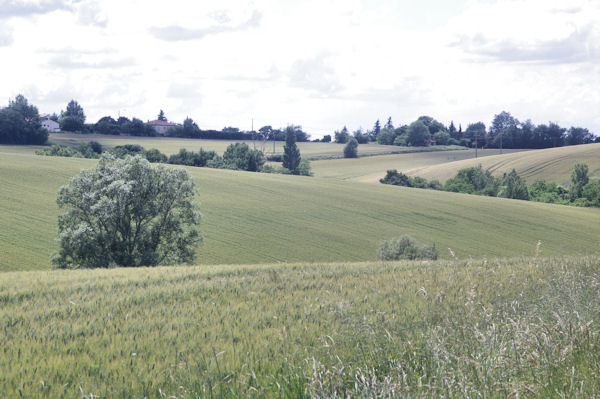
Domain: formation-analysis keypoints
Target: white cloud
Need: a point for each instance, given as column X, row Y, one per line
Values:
column 320, row 64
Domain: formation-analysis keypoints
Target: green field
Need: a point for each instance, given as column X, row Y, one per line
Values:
column 264, row 218
column 169, row 145
column 515, row 328
column 551, row 164
column 371, row 169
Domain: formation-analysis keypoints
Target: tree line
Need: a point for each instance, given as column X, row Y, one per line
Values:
column 505, row 131
column 20, row 124
column 475, row 180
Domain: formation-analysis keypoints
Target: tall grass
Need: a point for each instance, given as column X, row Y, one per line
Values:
column 525, row 327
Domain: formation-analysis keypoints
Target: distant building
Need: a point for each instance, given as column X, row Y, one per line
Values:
column 161, row 127
column 49, row 124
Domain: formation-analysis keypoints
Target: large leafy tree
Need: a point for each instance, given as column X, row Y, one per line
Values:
column 291, row 153
column 20, row 123
column 73, row 118
column 126, row 212
column 418, row 133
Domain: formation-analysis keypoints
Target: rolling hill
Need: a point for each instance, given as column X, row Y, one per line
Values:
column 552, row 164
column 258, row 218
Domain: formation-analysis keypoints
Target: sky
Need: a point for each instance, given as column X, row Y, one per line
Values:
column 321, row 64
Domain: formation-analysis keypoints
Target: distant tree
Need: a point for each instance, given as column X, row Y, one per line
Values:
column 20, row 123
column 138, row 128
column 405, row 247
column 418, row 134
column 73, row 118
column 579, row 178
column 350, row 150
column 342, row 136
column 473, row 180
column 161, row 116
column 578, row 135
column 326, row 138
column 126, row 212
column 475, row 134
column 396, row 178
column 107, row 125
column 432, row 125
column 240, row 156
column 190, row 128
column 442, row 137
column 291, row 153
column 504, row 131
column 452, row 131
column 376, row 129
column 362, row 138
column 386, row 136
column 389, row 124
column 513, row 186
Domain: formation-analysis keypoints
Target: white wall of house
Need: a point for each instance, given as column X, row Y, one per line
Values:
column 51, row 125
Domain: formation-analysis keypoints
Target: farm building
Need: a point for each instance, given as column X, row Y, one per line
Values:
column 161, row 127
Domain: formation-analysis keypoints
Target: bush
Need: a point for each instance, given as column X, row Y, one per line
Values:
column 405, row 247
column 239, row 156
column 350, row 150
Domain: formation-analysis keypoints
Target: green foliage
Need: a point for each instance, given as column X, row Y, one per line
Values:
column 351, row 148
column 239, row 156
column 125, row 212
column 304, row 167
column 291, row 153
column 442, row 137
column 418, row 134
column 473, row 180
column 397, row 179
column 191, row 158
column 579, row 178
column 73, row 119
column 405, row 247
column 155, row 156
column 92, row 149
column 342, row 137
column 386, row 136
column 590, row 195
column 513, row 186
column 107, row 125
column 549, row 192
column 326, row 138
column 20, row 123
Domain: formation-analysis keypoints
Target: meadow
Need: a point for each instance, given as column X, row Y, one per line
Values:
column 521, row 327
column 263, row 218
column 551, row 164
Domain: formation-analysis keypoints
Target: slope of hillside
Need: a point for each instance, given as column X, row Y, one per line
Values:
column 371, row 169
column 254, row 217
column 473, row 328
column 552, row 164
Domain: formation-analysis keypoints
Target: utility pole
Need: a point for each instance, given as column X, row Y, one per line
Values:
column 253, row 135
column 476, row 137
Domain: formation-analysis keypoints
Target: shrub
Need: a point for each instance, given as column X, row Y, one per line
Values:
column 405, row 247
column 350, row 150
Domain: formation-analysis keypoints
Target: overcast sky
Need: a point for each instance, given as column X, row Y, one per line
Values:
column 320, row 64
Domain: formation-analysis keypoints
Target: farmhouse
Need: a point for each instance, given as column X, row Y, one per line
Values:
column 161, row 127
column 49, row 124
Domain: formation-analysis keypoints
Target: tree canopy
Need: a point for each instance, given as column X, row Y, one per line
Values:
column 291, row 153
column 20, row 123
column 73, row 118
column 126, row 212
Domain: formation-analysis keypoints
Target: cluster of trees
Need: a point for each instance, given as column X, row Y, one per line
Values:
column 476, row 180
column 505, row 131
column 20, row 123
